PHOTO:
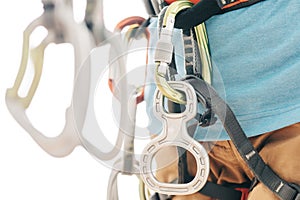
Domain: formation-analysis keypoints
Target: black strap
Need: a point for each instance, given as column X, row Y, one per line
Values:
column 157, row 196
column 210, row 189
column 261, row 170
column 220, row 192
column 150, row 7
column 205, row 9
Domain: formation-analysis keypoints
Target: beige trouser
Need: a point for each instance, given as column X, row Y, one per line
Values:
column 280, row 149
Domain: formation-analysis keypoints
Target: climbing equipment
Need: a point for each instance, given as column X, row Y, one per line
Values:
column 252, row 158
column 205, row 9
column 127, row 164
column 94, row 21
column 81, row 127
column 164, row 52
column 262, row 172
column 58, row 20
column 175, row 134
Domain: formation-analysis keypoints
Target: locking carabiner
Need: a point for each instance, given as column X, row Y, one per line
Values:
column 164, row 52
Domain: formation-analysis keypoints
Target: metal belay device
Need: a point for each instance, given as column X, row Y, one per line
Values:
column 175, row 124
column 97, row 50
column 175, row 134
column 174, row 100
column 185, row 94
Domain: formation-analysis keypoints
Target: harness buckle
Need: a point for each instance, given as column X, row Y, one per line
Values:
column 206, row 119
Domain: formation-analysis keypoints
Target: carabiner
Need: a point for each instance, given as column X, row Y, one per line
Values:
column 112, row 57
column 127, row 164
column 164, row 52
column 58, row 20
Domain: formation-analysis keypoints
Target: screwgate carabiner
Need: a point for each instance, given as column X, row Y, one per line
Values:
column 164, row 51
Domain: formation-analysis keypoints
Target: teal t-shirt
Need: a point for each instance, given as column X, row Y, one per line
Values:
column 255, row 53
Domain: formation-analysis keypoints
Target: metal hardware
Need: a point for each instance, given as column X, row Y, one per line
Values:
column 175, row 134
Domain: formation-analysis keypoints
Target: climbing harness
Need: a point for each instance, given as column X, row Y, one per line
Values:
column 262, row 172
column 205, row 9
column 252, row 158
column 92, row 39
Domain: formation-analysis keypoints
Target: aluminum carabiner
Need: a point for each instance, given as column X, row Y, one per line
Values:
column 164, row 51
column 58, row 20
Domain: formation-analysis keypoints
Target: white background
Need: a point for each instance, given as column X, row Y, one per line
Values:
column 26, row 171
